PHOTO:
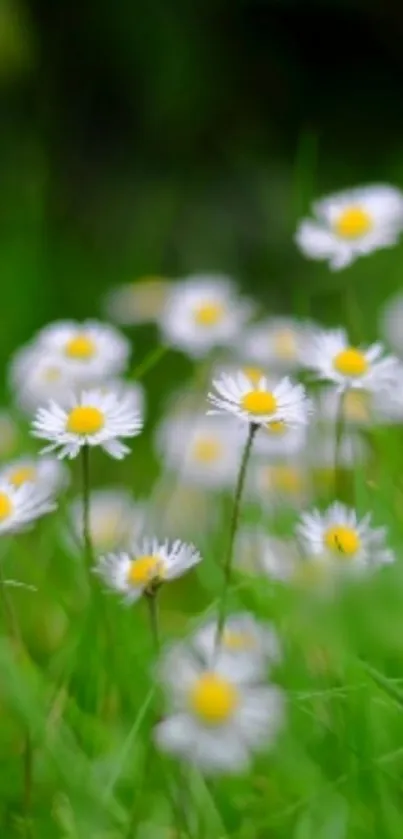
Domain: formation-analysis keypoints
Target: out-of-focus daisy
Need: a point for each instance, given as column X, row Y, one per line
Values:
column 332, row 358
column 321, row 450
column 205, row 451
column 9, row 434
column 351, row 224
column 279, row 483
column 277, row 343
column 340, row 538
column 91, row 350
column 254, row 645
column 146, row 567
column 93, row 419
column 260, row 404
column 181, row 509
column 139, row 302
column 130, row 390
column 280, row 440
column 20, row 506
column 115, row 520
column 218, row 717
column 258, row 554
column 363, row 408
column 47, row 474
column 202, row 312
column 36, row 376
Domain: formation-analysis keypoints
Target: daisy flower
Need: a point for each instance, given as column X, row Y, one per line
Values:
column 282, row 483
column 258, row 554
column 9, row 434
column 218, row 717
column 202, row 312
column 133, row 391
column 36, row 376
column 351, row 224
column 341, row 540
column 205, row 451
column 92, row 419
column 47, row 474
column 321, row 450
column 91, row 350
column 255, row 646
column 146, row 566
column 115, row 520
column 277, row 343
column 333, row 359
column 20, row 506
column 260, row 404
column 139, row 302
column 363, row 408
column 280, row 440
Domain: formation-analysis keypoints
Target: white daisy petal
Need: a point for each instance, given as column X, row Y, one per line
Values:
column 285, row 402
column 334, row 359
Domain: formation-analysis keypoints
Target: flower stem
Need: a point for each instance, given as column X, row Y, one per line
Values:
column 153, row 612
column 338, row 473
column 85, row 462
column 150, row 361
column 227, row 565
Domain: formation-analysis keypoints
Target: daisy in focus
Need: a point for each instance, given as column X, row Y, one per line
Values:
column 139, row 302
column 277, row 343
column 21, row 506
column 333, row 359
column 343, row 542
column 36, row 376
column 92, row 419
column 203, row 312
column 219, row 718
column 283, row 402
column 146, row 567
column 92, row 351
column 255, row 646
column 204, row 451
column 115, row 520
column 48, row 475
column 352, row 223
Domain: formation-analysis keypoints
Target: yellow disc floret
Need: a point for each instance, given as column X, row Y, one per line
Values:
column 350, row 362
column 213, row 699
column 353, row 222
column 85, row 419
column 207, row 449
column 6, row 506
column 259, row 402
column 81, row 348
column 343, row 540
column 209, row 313
column 21, row 475
column 145, row 569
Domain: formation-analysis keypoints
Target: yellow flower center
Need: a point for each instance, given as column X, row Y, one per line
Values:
column 145, row 569
column 213, row 699
column 207, row 450
column 350, row 362
column 236, row 641
column 21, row 475
column 81, row 348
column 6, row 506
column 259, row 402
column 285, row 344
column 208, row 314
column 356, row 406
column 342, row 540
column 254, row 374
column 85, row 419
column 285, row 479
column 276, row 427
column 353, row 222
column 51, row 374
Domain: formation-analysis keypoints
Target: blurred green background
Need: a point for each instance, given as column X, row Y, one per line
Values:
column 149, row 137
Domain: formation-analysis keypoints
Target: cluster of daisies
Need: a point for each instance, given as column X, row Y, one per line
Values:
column 70, row 382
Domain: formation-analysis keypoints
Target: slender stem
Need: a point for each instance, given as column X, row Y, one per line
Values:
column 338, row 484
column 227, row 565
column 85, row 461
column 150, row 361
column 28, row 766
column 153, row 612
